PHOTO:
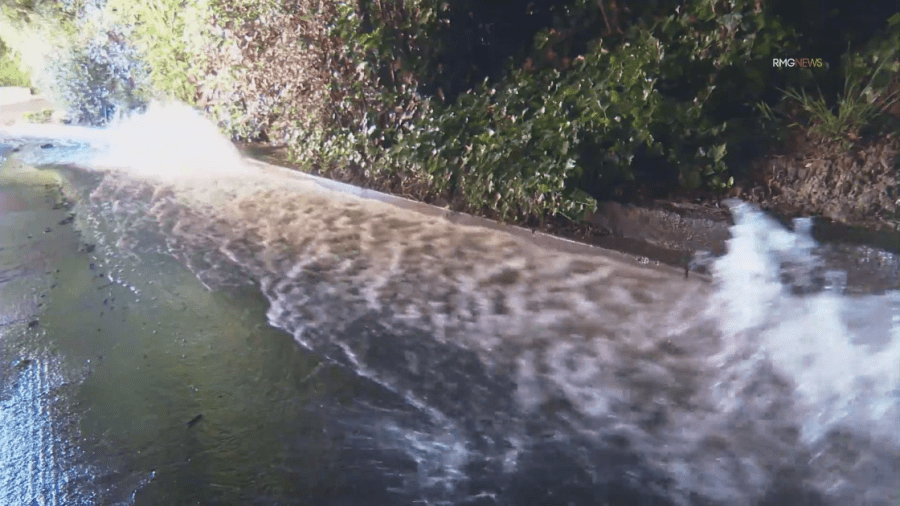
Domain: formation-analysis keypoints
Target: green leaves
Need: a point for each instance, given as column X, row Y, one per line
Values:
column 518, row 146
column 11, row 72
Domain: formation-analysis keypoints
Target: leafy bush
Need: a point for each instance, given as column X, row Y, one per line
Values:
column 80, row 57
column 533, row 140
column 34, row 30
column 266, row 75
column 110, row 56
column 44, row 116
column 495, row 107
column 517, row 147
column 100, row 79
column 11, row 73
column 170, row 37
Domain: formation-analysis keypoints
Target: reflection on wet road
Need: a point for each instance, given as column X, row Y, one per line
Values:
column 156, row 391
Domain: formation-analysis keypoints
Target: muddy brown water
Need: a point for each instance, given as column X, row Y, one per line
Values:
column 246, row 337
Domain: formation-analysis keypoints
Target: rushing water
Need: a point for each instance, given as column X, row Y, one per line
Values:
column 487, row 370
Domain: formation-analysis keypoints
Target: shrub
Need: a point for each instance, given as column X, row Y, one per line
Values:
column 517, row 148
column 170, row 37
column 80, row 57
column 44, row 116
column 267, row 70
column 34, row 30
column 100, row 79
column 533, row 140
column 11, row 73
column 489, row 105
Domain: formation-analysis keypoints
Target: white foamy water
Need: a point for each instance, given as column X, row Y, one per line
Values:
column 733, row 391
column 151, row 143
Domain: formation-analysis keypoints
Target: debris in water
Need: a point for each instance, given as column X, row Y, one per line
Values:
column 32, row 324
column 68, row 220
column 89, row 248
column 46, row 146
column 25, row 362
column 195, row 420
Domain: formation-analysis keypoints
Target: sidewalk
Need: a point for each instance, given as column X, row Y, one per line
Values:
column 15, row 102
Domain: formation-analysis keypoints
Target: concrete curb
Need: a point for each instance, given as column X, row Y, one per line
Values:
column 663, row 235
column 538, row 239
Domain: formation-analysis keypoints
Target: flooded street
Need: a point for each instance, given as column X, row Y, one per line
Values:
column 149, row 389
column 181, row 326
